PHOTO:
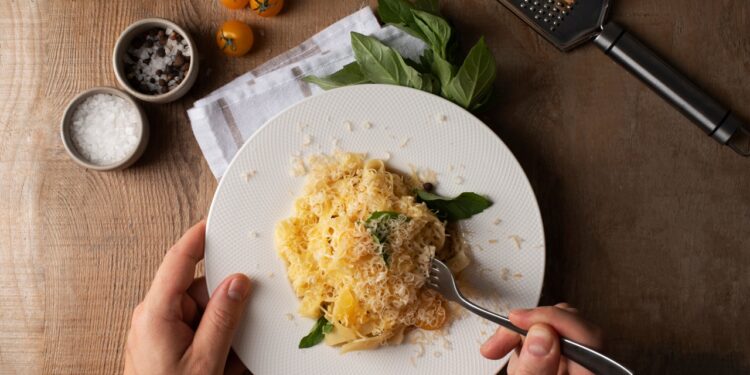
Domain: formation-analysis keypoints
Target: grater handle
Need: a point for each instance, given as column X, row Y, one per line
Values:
column 713, row 118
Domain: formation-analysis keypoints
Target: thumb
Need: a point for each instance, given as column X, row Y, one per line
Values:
column 213, row 337
column 540, row 354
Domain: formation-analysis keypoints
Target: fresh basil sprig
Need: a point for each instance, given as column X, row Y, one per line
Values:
column 461, row 207
column 350, row 74
column 382, row 64
column 468, row 85
column 472, row 84
column 317, row 333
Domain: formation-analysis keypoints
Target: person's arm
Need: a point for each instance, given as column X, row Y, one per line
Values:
column 539, row 352
column 177, row 329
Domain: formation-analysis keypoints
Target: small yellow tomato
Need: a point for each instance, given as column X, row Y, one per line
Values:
column 234, row 4
column 267, row 8
column 234, row 38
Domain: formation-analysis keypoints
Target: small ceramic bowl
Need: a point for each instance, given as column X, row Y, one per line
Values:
column 65, row 132
column 121, row 48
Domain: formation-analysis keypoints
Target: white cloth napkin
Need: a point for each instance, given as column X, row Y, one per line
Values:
column 224, row 119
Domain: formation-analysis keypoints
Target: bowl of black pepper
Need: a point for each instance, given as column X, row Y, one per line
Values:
column 155, row 60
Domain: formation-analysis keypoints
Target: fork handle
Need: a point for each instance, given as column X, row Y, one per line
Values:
column 589, row 358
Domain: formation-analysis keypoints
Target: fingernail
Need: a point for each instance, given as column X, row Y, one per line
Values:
column 238, row 288
column 538, row 341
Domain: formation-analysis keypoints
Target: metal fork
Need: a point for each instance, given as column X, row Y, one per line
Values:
column 441, row 279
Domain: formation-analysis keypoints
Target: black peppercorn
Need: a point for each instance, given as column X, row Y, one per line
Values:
column 427, row 186
column 160, row 52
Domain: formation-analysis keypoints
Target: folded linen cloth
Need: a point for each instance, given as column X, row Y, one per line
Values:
column 224, row 119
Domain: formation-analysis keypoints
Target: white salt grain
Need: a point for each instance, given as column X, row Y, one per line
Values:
column 105, row 129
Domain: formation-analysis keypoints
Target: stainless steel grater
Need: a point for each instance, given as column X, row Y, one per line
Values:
column 569, row 23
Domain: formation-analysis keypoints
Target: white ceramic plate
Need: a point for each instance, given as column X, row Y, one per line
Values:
column 507, row 239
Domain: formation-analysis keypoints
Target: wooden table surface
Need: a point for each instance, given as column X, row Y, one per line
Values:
column 647, row 219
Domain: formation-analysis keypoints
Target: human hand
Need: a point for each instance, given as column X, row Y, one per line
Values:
column 177, row 329
column 539, row 352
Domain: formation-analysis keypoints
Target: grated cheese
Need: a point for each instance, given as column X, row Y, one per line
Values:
column 517, row 240
column 337, row 269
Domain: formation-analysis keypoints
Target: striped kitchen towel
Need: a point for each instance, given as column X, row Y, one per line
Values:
column 226, row 118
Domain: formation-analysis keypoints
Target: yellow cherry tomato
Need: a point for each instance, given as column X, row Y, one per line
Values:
column 234, row 38
column 267, row 8
column 234, row 4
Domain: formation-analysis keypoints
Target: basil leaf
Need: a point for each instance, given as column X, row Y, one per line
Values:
column 432, row 6
column 397, row 12
column 317, row 333
column 418, row 66
column 378, row 226
column 436, row 30
column 474, row 78
column 381, row 214
column 382, row 64
column 430, row 84
column 350, row 74
column 444, row 71
column 461, row 207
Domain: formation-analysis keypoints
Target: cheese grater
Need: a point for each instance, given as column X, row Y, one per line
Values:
column 569, row 23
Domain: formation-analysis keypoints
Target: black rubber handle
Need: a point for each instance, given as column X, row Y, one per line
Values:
column 713, row 118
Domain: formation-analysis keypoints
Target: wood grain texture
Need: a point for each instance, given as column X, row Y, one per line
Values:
column 646, row 218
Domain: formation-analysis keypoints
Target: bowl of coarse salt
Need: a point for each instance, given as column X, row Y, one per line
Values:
column 104, row 129
column 155, row 60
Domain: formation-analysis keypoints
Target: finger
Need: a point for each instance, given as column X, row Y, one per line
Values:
column 500, row 344
column 513, row 363
column 176, row 272
column 540, row 354
column 199, row 291
column 223, row 313
column 189, row 310
column 568, row 324
column 567, row 306
column 234, row 365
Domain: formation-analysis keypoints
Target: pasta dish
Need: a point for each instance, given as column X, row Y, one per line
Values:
column 357, row 250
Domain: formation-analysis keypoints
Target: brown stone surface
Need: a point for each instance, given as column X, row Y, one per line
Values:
column 646, row 217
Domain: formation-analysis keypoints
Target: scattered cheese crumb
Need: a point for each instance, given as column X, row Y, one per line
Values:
column 271, row 275
column 367, row 125
column 504, row 274
column 483, row 332
column 413, row 361
column 387, row 156
column 441, row 118
column 517, row 275
column 451, row 167
column 458, row 180
column 517, row 240
column 254, row 234
column 307, row 140
column 404, row 142
column 428, row 175
column 289, row 316
column 493, row 241
column 497, row 221
column 297, row 153
column 540, row 246
column 301, row 126
column 248, row 175
column 437, row 354
column 298, row 167
column 348, row 125
column 335, row 142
